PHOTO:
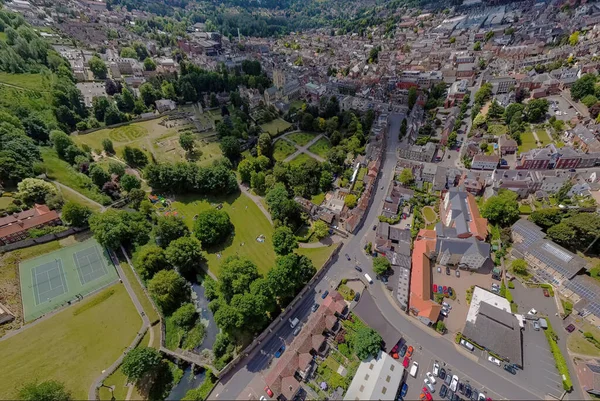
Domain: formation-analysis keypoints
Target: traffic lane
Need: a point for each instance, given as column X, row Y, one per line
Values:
column 444, row 350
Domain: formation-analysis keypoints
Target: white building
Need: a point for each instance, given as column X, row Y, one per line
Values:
column 376, row 379
column 485, row 162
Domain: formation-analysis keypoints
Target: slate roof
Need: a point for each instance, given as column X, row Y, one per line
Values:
column 497, row 331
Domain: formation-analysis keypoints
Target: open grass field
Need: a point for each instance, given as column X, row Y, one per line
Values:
column 282, row 150
column 61, row 171
column 429, row 214
column 321, row 147
column 301, row 158
column 275, row 127
column 249, row 223
column 543, row 137
column 139, row 292
column 26, row 81
column 73, row 347
column 577, row 343
column 318, row 255
column 301, row 138
column 74, row 196
column 527, row 142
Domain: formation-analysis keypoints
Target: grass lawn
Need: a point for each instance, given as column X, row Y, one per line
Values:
column 139, row 292
column 297, row 103
column 525, row 209
column 275, row 127
column 249, row 223
column 27, row 81
column 321, row 147
column 301, row 158
column 318, row 255
column 301, row 138
column 74, row 346
column 429, row 214
column 62, row 172
column 577, row 343
column 318, row 198
column 5, row 201
column 74, row 196
column 543, row 137
column 497, row 129
column 282, row 150
column 527, row 142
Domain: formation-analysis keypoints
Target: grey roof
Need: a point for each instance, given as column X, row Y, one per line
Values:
column 460, row 210
column 462, row 246
column 383, row 229
column 397, row 234
column 589, row 290
column 530, row 232
column 497, row 331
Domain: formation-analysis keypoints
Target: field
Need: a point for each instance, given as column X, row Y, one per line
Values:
column 301, row 138
column 139, row 292
column 154, row 137
column 5, row 201
column 282, row 150
column 301, row 158
column 317, row 255
column 61, row 171
column 26, row 81
column 527, row 142
column 275, row 127
column 70, row 195
column 73, row 346
column 321, row 147
column 497, row 129
column 249, row 223
column 543, row 137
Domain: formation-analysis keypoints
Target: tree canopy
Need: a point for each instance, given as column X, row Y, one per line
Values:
column 501, row 209
column 367, row 343
column 141, row 362
column 168, row 289
column 213, row 226
column 49, row 390
column 284, row 240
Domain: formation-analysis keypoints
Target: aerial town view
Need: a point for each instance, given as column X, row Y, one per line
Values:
column 299, row 200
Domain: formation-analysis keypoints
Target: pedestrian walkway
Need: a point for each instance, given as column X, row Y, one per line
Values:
column 304, row 149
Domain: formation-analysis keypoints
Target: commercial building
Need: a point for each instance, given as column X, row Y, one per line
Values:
column 485, row 162
column 420, row 303
column 458, row 210
column 378, row 378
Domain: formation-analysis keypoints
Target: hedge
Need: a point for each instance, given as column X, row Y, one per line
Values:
column 559, row 359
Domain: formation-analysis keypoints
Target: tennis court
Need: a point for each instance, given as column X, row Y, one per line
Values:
column 63, row 276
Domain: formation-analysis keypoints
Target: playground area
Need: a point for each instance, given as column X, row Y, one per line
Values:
column 63, row 277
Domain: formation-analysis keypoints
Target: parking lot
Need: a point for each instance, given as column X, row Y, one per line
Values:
column 458, row 314
column 559, row 104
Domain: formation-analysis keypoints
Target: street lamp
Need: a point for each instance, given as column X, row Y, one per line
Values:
column 112, row 391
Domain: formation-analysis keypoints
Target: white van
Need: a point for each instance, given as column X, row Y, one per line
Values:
column 294, row 322
column 413, row 369
column 467, row 345
column 369, row 279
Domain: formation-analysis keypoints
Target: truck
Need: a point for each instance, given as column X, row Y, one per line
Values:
column 413, row 369
column 543, row 323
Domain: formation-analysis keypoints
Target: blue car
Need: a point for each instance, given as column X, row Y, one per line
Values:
column 404, row 390
column 325, row 294
column 280, row 351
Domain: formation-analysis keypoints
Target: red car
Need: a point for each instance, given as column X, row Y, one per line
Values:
column 409, row 351
column 405, row 362
column 268, row 391
column 395, row 349
column 445, row 289
column 546, row 293
column 427, row 394
column 435, row 288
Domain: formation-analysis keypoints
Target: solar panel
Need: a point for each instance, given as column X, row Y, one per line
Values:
column 561, row 254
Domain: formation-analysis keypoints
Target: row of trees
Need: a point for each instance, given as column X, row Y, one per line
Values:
column 574, row 230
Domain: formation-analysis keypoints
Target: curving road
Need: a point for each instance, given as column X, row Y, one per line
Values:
column 232, row 385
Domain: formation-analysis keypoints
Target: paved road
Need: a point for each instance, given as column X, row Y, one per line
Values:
column 233, row 384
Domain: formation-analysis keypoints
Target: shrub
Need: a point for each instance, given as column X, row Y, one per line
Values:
column 511, row 285
column 458, row 337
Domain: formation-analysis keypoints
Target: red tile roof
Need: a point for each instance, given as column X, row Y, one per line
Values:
column 27, row 219
column 420, row 277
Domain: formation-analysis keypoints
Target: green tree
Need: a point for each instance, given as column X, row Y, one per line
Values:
column 583, row 86
column 115, row 227
column 49, row 390
column 61, row 142
column 149, row 260
column 495, row 110
column 519, row 266
column 34, row 190
column 98, row 175
column 320, row 229
column 213, row 227
column 108, row 147
column 536, row 110
column 547, row 218
column 512, row 110
column 367, row 343
column 563, row 191
column 149, row 64
column 169, row 290
column 290, row 274
column 589, row 100
column 187, row 141
column 406, row 177
column 116, row 168
column 284, row 240
column 98, row 67
column 282, row 208
column 236, row 276
column 185, row 317
column 350, row 201
column 168, row 90
column 129, row 182
column 186, row 255
column 75, row 214
column 477, row 46
column 135, row 157
column 412, row 97
column 141, row 362
column 574, row 38
column 230, row 146
column 170, row 228
column 265, row 145
column 148, row 94
column 128, row 52
column 501, row 209
column 381, row 265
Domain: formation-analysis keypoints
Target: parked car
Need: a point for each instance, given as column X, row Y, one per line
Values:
column 374, row 227
column 431, row 377
column 358, row 268
column 347, row 256
column 427, row 394
column 280, row 351
column 447, row 271
column 450, row 291
column 510, row 369
column 493, row 360
column 315, row 307
column 454, row 383
column 570, row 328
column 297, row 330
column 532, row 311
column 446, row 305
column 443, row 391
column 410, row 351
column 461, row 388
column 413, row 369
column 442, row 374
column 435, row 288
column 474, row 395
column 444, row 312
column 395, row 349
column 356, row 297
column 457, row 273
column 429, row 385
column 404, row 390
column 445, row 290
column 324, row 294
column 536, row 325
column 403, row 350
column 454, row 397
column 268, row 391
column 436, row 369
column 448, row 380
column 468, row 390
column 406, row 362
column 546, row 292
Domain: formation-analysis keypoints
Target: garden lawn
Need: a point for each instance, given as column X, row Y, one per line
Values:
column 317, row 255
column 301, row 158
column 282, row 150
column 524, row 209
column 527, row 142
column 139, row 292
column 543, row 137
column 249, row 222
column 429, row 214
column 73, row 347
column 497, row 129
column 275, row 127
column 5, row 201
column 27, row 81
column 61, row 171
column 301, row 138
column 321, row 147
column 318, row 198
column 577, row 343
